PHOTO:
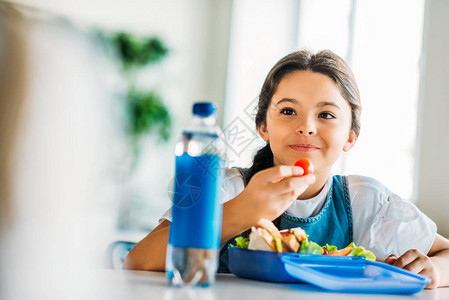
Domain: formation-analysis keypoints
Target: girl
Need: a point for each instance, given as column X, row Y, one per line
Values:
column 309, row 107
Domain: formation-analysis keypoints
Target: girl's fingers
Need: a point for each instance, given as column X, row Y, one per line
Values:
column 417, row 262
column 435, row 280
column 391, row 259
column 407, row 258
column 293, row 184
column 277, row 173
column 415, row 266
column 293, row 194
column 431, row 285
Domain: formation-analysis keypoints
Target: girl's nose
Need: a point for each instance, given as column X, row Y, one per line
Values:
column 306, row 128
column 306, row 132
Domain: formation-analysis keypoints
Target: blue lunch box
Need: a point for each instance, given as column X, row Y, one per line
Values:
column 334, row 273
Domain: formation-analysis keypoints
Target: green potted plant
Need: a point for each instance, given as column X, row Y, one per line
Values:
column 146, row 112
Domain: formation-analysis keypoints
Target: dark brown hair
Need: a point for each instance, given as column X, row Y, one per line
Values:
column 325, row 62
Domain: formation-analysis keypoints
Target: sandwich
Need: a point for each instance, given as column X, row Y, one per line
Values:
column 265, row 236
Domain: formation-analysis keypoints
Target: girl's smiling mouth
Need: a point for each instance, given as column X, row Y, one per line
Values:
column 304, row 147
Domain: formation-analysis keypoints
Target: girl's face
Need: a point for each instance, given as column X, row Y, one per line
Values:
column 308, row 118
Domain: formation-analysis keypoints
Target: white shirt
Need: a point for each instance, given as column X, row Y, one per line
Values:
column 382, row 221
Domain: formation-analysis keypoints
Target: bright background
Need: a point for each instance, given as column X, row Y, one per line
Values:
column 70, row 187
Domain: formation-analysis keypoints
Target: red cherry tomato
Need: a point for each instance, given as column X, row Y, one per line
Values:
column 325, row 251
column 306, row 165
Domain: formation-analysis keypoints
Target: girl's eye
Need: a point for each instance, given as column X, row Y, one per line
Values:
column 326, row 115
column 288, row 111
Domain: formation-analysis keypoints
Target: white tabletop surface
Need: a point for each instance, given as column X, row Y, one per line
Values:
column 117, row 284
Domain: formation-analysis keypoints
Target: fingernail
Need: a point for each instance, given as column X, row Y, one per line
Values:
column 297, row 171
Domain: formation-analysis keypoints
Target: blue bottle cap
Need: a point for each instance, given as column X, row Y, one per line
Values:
column 204, row 109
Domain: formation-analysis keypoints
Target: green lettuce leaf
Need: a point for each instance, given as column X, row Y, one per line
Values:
column 310, row 248
column 360, row 251
column 241, row 242
column 330, row 248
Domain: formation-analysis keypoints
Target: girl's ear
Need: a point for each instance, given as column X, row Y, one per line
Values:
column 350, row 142
column 263, row 132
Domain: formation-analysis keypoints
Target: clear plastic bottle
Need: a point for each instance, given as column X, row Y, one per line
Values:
column 194, row 241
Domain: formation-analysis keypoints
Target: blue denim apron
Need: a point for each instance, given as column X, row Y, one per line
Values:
column 332, row 225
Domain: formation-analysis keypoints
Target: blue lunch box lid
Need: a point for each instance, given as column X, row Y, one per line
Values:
column 334, row 273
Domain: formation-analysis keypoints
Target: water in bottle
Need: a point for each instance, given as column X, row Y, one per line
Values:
column 194, row 241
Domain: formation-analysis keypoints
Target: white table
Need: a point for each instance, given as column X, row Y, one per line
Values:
column 113, row 284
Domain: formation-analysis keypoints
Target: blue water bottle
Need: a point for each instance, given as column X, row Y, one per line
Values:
column 194, row 241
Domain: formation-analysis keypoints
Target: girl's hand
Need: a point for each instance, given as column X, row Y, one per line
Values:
column 416, row 262
column 271, row 191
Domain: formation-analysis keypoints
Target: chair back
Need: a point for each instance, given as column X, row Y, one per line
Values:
column 116, row 254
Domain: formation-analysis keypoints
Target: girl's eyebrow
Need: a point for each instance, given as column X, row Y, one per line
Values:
column 321, row 104
column 326, row 103
column 287, row 100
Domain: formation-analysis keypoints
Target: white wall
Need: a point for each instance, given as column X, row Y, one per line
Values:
column 196, row 33
column 432, row 176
